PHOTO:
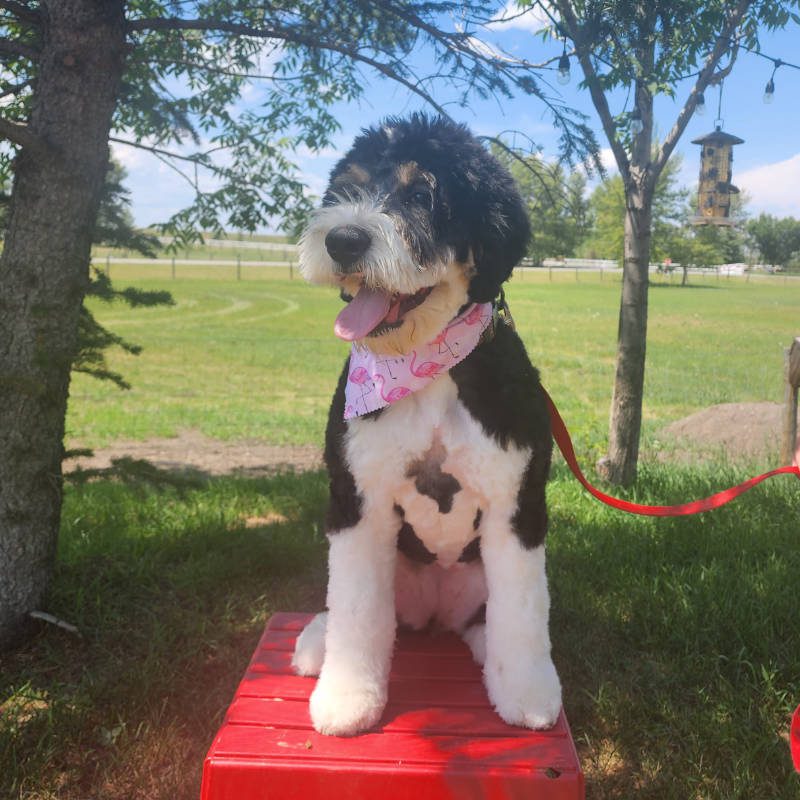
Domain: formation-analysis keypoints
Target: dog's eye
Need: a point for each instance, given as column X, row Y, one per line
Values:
column 421, row 197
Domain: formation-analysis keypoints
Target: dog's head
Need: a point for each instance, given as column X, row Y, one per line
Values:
column 418, row 220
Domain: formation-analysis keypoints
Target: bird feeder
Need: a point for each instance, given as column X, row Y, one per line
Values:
column 716, row 170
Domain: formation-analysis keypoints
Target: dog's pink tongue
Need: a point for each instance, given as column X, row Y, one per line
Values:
column 363, row 313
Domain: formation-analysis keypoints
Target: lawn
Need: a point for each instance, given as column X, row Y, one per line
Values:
column 678, row 641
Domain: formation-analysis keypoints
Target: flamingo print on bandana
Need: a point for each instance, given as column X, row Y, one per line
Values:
column 377, row 381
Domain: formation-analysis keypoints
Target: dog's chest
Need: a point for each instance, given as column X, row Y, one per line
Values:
column 428, row 457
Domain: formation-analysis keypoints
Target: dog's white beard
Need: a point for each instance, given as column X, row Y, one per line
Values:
column 387, row 264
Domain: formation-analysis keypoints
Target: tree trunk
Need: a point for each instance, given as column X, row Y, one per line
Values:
column 619, row 466
column 44, row 270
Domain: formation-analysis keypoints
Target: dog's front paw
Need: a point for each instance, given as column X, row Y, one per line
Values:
column 530, row 697
column 309, row 650
column 345, row 710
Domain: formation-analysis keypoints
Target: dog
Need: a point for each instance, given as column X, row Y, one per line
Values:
column 438, row 441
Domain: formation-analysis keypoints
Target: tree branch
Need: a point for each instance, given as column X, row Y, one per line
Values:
column 12, row 47
column 21, row 11
column 13, row 89
column 583, row 51
column 285, row 34
column 21, row 134
column 722, row 45
column 197, row 158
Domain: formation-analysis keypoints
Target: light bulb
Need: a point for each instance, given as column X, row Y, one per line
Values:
column 769, row 91
column 563, row 75
column 700, row 108
column 636, row 124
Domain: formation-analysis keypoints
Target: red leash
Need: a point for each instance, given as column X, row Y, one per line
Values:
column 564, row 442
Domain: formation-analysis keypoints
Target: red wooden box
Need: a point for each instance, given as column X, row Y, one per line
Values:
column 438, row 738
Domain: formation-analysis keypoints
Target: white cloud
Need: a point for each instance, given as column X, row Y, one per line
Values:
column 511, row 17
column 607, row 159
column 773, row 188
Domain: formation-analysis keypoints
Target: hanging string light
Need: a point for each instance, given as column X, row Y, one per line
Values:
column 563, row 75
column 636, row 124
column 700, row 106
column 769, row 89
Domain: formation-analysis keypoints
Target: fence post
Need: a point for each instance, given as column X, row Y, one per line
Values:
column 238, row 267
column 291, row 271
column 173, row 267
column 792, row 374
column 108, row 266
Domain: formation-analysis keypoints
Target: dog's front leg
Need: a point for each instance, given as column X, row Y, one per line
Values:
column 351, row 692
column 520, row 677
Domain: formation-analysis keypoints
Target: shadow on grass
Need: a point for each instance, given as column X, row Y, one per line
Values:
column 690, row 285
column 678, row 640
column 170, row 583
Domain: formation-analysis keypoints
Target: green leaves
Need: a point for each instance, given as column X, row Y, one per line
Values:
column 227, row 93
column 777, row 240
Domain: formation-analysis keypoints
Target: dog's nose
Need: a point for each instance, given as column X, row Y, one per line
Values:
column 346, row 244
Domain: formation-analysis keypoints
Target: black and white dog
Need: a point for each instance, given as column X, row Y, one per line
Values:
column 437, row 491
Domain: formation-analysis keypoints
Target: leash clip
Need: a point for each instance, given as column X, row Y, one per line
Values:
column 503, row 312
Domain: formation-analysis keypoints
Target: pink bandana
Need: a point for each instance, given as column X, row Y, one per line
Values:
column 376, row 381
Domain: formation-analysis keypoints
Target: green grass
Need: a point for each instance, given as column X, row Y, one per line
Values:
column 256, row 358
column 678, row 641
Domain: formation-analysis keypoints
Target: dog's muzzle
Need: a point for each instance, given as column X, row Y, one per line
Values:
column 346, row 244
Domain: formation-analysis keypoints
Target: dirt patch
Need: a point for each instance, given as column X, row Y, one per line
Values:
column 192, row 451
column 738, row 431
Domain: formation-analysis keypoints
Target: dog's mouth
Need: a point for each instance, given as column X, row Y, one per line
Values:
column 373, row 312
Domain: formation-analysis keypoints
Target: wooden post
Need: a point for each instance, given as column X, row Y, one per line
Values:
column 173, row 267
column 238, row 267
column 792, row 372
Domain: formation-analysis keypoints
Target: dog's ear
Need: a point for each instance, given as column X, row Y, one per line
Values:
column 499, row 237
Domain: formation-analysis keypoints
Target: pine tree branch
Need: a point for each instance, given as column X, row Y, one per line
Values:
column 13, row 89
column 707, row 75
column 583, row 51
column 12, row 47
column 21, row 11
column 21, row 134
column 286, row 34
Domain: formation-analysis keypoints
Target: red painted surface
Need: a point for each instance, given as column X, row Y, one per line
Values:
column 438, row 738
column 795, row 738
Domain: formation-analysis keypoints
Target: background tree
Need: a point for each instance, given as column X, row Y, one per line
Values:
column 607, row 203
column 556, row 202
column 168, row 77
column 691, row 247
column 648, row 48
column 776, row 239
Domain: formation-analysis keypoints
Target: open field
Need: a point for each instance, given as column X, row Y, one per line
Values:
column 256, row 359
column 678, row 641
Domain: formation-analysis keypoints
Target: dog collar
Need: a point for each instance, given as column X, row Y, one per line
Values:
column 376, row 381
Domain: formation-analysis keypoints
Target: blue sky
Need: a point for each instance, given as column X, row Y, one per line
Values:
column 766, row 166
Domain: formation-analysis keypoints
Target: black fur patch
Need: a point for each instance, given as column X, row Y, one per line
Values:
column 513, row 411
column 472, row 552
column 478, row 618
column 432, row 481
column 344, row 504
column 412, row 547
